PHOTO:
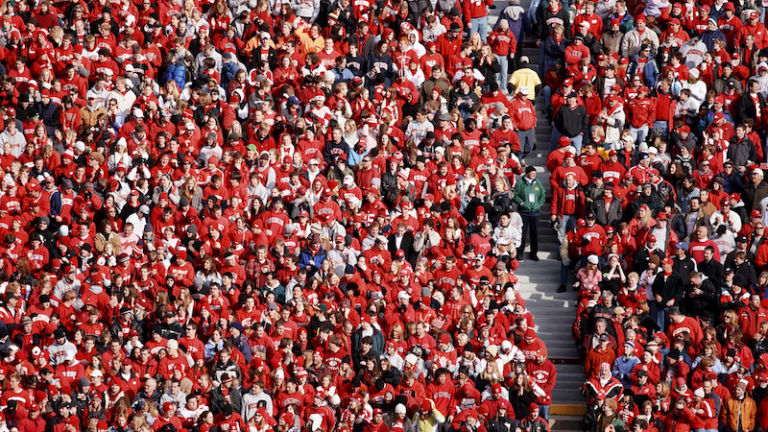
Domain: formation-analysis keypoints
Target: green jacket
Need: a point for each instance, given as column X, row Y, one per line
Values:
column 523, row 192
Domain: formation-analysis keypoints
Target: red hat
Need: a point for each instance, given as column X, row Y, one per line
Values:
column 680, row 382
column 729, row 6
column 167, row 406
column 704, row 8
column 327, row 191
column 34, row 407
column 181, row 253
column 674, row 21
column 568, row 82
column 564, row 141
column 444, row 338
column 398, row 156
column 614, row 21
column 720, row 99
column 667, row 261
column 426, row 406
column 651, row 238
column 661, row 216
column 496, row 388
column 612, row 153
column 530, row 333
column 736, row 197
column 755, row 213
column 533, row 406
column 754, row 14
column 640, row 18
column 684, row 128
column 400, row 254
column 377, row 411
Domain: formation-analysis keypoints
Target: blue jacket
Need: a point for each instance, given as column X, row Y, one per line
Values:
column 709, row 37
column 228, row 72
column 317, row 260
column 622, row 369
column 650, row 72
column 176, row 72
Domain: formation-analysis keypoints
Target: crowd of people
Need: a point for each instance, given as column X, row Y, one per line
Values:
column 659, row 201
column 307, row 214
column 222, row 216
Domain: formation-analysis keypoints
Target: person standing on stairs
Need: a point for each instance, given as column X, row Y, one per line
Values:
column 529, row 195
column 524, row 120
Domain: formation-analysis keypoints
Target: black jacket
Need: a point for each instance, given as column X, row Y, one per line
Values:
column 746, row 107
column 669, row 288
column 572, row 122
column 713, row 270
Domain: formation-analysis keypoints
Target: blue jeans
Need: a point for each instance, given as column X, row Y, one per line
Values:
column 576, row 142
column 546, row 92
column 639, row 134
column 659, row 312
column 661, row 126
column 567, row 222
column 526, row 138
column 554, row 138
column 503, row 74
column 544, row 412
column 479, row 25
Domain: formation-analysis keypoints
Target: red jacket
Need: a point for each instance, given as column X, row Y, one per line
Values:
column 475, row 8
column 502, row 43
column 567, row 202
column 641, row 112
column 523, row 113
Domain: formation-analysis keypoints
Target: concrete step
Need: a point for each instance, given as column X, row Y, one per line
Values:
column 566, row 423
column 553, row 312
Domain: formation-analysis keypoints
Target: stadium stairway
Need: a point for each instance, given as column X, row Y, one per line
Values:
column 553, row 312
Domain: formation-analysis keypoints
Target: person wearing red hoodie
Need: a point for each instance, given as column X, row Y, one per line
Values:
column 442, row 389
column 33, row 422
column 544, row 374
column 524, row 120
column 532, row 346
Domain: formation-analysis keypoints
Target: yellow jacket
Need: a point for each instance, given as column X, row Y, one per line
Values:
column 308, row 44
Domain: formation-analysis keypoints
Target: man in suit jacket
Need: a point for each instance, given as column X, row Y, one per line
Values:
column 607, row 208
column 402, row 239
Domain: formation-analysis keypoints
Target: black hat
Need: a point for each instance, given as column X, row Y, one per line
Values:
column 674, row 354
column 591, row 215
column 742, row 239
column 59, row 333
column 454, row 27
column 530, row 169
